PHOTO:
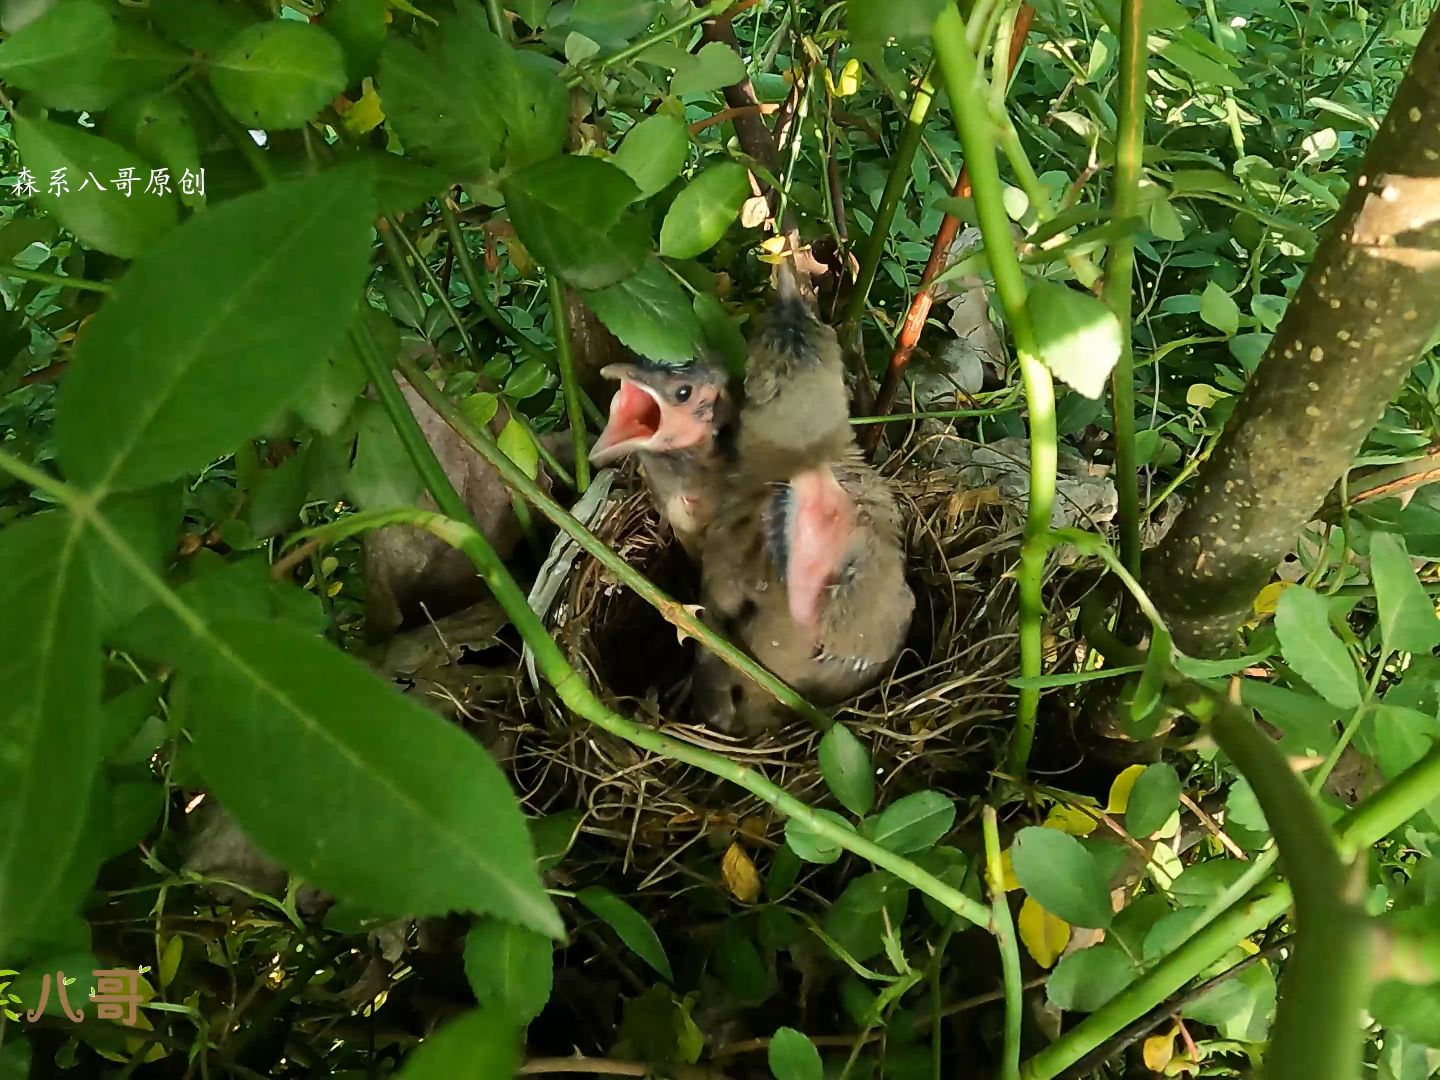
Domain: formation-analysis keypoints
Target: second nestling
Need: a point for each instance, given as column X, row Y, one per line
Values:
column 798, row 538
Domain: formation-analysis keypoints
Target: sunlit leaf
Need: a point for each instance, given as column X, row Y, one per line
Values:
column 1218, row 309
column 653, row 152
column 1078, row 336
column 701, row 213
column 714, row 66
column 1407, row 613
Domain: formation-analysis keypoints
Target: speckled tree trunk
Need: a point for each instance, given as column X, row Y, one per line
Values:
column 1367, row 307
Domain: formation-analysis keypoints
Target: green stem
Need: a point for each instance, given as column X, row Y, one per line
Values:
column 1120, row 272
column 968, row 101
column 896, row 184
column 498, row 22
column 1317, row 1034
column 11, row 270
column 531, row 348
column 673, row 612
column 1232, row 111
column 635, row 48
column 1003, row 926
column 395, row 240
column 568, row 386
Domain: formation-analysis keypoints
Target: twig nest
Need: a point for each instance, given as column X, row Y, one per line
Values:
column 928, row 723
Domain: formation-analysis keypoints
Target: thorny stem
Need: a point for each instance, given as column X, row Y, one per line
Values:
column 1003, row 927
column 966, row 88
column 568, row 386
column 673, row 612
column 1120, row 272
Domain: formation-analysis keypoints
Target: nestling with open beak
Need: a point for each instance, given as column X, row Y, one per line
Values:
column 669, row 416
column 809, row 575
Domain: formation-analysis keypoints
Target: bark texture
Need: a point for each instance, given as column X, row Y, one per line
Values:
column 1366, row 309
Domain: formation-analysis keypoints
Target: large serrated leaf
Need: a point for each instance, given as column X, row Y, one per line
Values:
column 1407, row 613
column 214, row 331
column 277, row 74
column 103, row 219
column 1313, row 649
column 372, row 797
column 649, row 313
column 570, row 213
column 49, row 717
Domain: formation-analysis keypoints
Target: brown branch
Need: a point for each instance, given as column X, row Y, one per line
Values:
column 48, row 374
column 1213, row 828
column 919, row 310
column 758, row 109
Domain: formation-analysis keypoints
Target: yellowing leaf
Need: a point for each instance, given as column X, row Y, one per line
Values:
column 1159, row 1049
column 847, row 83
column 366, row 114
column 1120, row 789
column 1070, row 819
column 1203, row 395
column 1045, row 935
column 1248, row 947
column 740, row 875
column 1268, row 597
column 1008, row 880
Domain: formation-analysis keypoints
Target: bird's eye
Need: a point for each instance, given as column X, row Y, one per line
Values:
column 682, row 395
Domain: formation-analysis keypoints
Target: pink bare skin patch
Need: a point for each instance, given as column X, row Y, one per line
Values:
column 821, row 528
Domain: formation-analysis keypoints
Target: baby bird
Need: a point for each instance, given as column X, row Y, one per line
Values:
column 670, row 417
column 809, row 575
column 796, row 410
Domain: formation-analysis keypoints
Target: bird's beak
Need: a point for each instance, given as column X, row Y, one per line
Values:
column 820, row 530
column 636, row 414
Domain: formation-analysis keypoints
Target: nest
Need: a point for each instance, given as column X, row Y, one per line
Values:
column 931, row 722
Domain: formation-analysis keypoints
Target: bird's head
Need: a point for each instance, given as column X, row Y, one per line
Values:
column 660, row 409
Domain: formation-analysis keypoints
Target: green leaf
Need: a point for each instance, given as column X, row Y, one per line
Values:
column 49, row 717
column 913, row 823
column 873, row 22
column 1243, row 809
column 953, row 867
column 202, row 25
column 1063, row 877
column 102, row 219
column 1396, row 738
column 485, row 1042
column 1153, row 799
column 721, row 333
column 649, row 313
column 793, row 1056
column 360, row 27
column 381, row 475
column 1408, row 1010
column 849, row 774
column 857, row 921
column 160, row 128
column 631, row 927
column 569, row 212
column 278, row 74
column 1202, row 71
column 326, row 401
column 1088, row 978
column 214, row 330
column 517, row 444
column 527, row 380
column 1077, row 335
column 510, row 968
column 1219, row 310
column 79, row 55
column 533, row 12
column 277, row 499
column 1408, row 622
column 811, row 846
column 714, row 66
column 610, row 22
column 1313, row 649
column 473, row 103
column 1240, row 1007
column 654, row 152
column 442, row 829
column 701, row 213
